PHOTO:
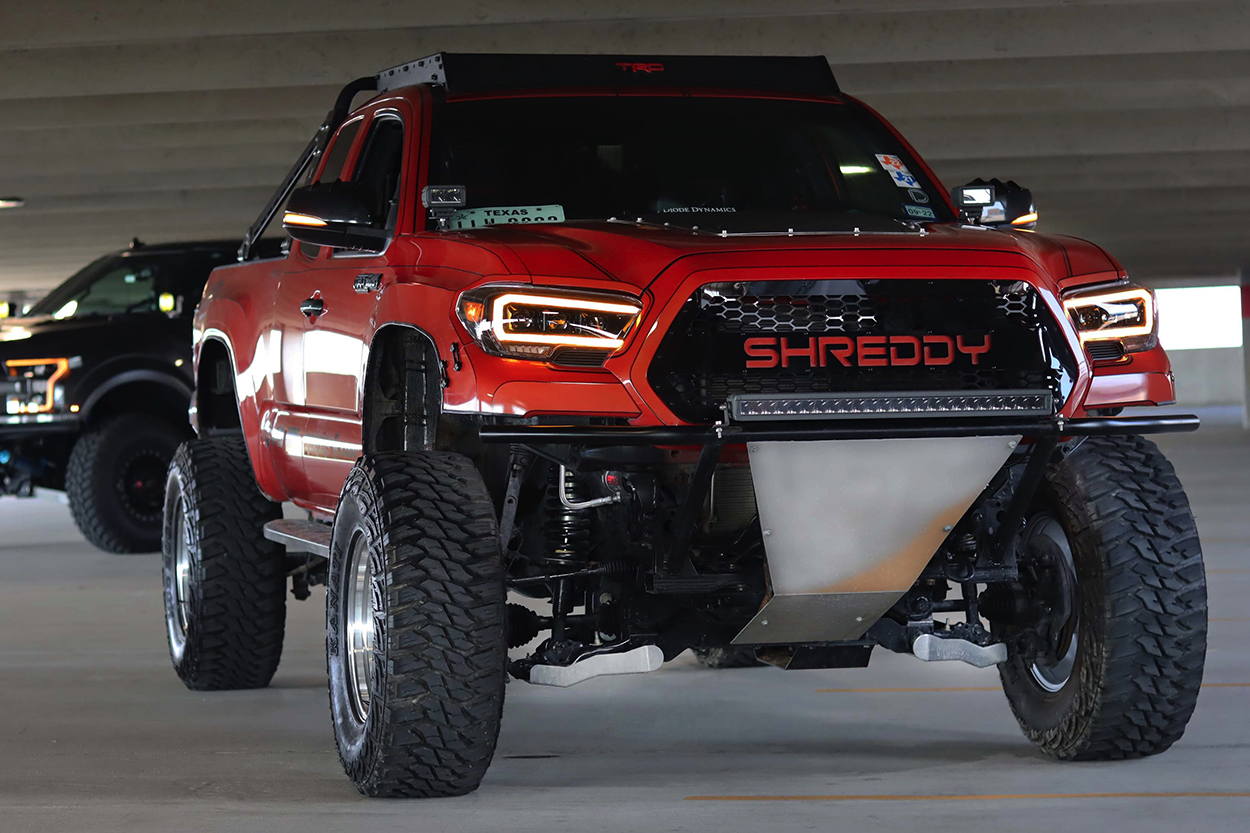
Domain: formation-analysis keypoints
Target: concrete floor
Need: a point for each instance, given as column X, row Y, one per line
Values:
column 98, row 734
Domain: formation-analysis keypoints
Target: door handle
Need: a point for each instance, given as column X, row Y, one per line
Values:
column 312, row 307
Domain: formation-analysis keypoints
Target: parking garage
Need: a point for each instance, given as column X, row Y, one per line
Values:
column 173, row 122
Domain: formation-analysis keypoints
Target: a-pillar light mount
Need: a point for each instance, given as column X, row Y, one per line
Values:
column 747, row 407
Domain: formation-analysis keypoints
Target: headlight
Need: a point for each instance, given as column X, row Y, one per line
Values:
column 1125, row 313
column 30, row 385
column 538, row 323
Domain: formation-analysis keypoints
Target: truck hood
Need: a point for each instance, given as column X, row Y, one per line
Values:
column 26, row 337
column 635, row 254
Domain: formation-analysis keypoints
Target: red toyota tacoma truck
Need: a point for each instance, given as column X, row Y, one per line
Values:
column 696, row 353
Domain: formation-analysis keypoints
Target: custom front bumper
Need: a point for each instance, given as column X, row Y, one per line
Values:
column 859, row 429
column 22, row 426
column 851, row 510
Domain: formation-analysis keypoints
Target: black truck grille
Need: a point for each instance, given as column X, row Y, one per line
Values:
column 796, row 337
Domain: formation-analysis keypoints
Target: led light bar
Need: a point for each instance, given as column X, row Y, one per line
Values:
column 745, row 407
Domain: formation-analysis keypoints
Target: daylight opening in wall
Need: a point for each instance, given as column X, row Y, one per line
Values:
column 1199, row 317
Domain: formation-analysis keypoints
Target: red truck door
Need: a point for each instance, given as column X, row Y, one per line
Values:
column 289, row 422
column 337, row 299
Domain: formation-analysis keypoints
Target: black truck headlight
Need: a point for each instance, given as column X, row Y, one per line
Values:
column 540, row 323
column 1125, row 314
column 30, row 385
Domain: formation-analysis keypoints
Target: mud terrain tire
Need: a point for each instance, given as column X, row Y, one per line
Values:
column 416, row 704
column 226, row 618
column 114, row 481
column 1142, row 602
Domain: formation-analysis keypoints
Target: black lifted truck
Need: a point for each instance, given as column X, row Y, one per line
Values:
column 96, row 381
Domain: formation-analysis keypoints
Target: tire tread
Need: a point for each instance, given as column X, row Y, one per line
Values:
column 447, row 655
column 240, row 616
column 1129, row 507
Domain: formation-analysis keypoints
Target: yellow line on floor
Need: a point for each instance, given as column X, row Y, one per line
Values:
column 1003, row 797
column 965, row 688
column 906, row 690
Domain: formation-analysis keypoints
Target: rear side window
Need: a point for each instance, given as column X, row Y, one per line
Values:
column 165, row 282
column 378, row 171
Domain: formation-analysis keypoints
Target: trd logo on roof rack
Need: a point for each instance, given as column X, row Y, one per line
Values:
column 865, row 351
column 636, row 67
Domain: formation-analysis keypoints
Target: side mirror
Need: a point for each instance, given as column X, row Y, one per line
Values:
column 330, row 214
column 996, row 203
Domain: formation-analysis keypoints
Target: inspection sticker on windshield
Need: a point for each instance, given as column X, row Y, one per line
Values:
column 506, row 215
column 920, row 211
column 898, row 171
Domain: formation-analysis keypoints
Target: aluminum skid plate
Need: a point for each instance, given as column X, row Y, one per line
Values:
column 640, row 660
column 850, row 524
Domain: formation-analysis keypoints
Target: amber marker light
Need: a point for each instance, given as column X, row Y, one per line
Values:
column 293, row 219
column 1025, row 219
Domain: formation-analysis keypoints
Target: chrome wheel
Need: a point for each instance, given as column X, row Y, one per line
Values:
column 359, row 610
column 182, row 571
column 178, row 574
column 1053, row 667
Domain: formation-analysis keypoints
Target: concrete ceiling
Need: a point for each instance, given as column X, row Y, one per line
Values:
column 174, row 120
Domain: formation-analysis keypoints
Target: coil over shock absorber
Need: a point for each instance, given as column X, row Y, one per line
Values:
column 568, row 532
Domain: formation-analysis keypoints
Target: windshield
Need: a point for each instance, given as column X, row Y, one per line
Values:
column 717, row 163
column 168, row 282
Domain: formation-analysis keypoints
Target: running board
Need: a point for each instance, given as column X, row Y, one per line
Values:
column 301, row 536
column 932, row 648
column 638, row 661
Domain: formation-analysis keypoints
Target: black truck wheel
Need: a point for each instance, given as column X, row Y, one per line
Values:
column 415, row 642
column 115, row 480
column 1111, row 566
column 225, row 585
column 727, row 657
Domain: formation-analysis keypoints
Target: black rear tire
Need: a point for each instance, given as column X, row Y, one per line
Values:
column 1140, row 592
column 115, row 481
column 416, row 708
column 225, row 584
column 727, row 657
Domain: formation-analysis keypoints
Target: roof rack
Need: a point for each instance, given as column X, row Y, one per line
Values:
column 465, row 73
column 486, row 72
column 427, row 70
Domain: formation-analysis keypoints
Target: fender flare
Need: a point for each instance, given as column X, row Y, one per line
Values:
column 431, row 344
column 214, row 335
column 159, row 377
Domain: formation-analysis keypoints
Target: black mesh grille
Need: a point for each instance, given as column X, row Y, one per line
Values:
column 703, row 357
